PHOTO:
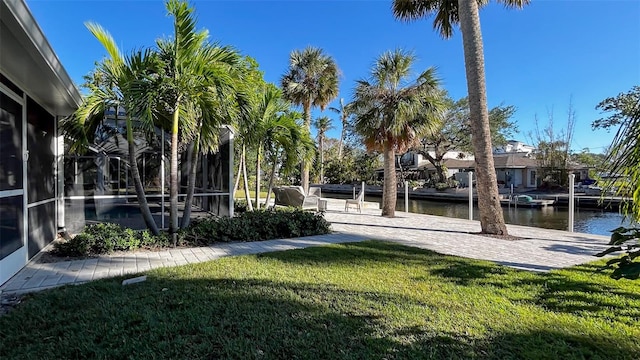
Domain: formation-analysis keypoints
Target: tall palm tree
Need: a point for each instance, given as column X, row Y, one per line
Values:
column 322, row 125
column 122, row 78
column 209, row 125
column 245, row 123
column 312, row 80
column 196, row 77
column 344, row 118
column 267, row 110
column 391, row 113
column 447, row 14
column 286, row 143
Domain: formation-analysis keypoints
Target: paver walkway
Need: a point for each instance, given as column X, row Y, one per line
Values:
column 540, row 250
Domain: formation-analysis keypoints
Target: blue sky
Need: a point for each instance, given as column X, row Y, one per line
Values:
column 538, row 59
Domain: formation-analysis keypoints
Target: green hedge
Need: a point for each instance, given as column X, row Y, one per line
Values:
column 105, row 238
column 254, row 226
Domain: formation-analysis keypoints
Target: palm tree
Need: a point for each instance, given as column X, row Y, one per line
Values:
column 344, row 117
column 312, row 80
column 447, row 14
column 322, row 125
column 267, row 110
column 286, row 143
column 209, row 125
column 245, row 123
column 391, row 113
column 121, row 79
column 196, row 77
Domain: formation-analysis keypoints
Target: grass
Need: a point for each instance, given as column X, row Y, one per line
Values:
column 369, row 300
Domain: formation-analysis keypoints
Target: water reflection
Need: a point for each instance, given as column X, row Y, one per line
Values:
column 585, row 221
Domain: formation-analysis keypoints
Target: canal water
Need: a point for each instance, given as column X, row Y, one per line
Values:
column 585, row 220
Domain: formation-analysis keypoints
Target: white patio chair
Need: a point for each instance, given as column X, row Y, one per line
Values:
column 358, row 202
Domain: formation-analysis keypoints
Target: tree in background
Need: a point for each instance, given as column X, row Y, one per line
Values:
column 311, row 80
column 553, row 149
column 322, row 125
column 343, row 111
column 266, row 113
column 623, row 159
column 392, row 113
column 454, row 132
column 447, row 14
column 254, row 87
column 287, row 143
column 595, row 162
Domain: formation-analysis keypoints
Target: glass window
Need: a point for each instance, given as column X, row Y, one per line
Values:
column 10, row 144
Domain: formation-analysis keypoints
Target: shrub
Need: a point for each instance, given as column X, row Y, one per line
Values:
column 104, row 238
column 255, row 225
column 239, row 206
column 441, row 186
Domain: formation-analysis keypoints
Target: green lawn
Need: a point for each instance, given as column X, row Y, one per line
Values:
column 370, row 300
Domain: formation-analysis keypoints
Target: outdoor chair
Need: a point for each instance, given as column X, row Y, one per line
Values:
column 357, row 202
column 295, row 196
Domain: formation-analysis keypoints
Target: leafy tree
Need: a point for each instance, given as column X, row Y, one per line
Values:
column 595, row 162
column 322, row 125
column 623, row 159
column 447, row 14
column 311, row 80
column 117, row 81
column 454, row 132
column 391, row 114
column 622, row 108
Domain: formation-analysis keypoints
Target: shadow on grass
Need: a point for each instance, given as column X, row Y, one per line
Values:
column 354, row 253
column 252, row 319
column 192, row 312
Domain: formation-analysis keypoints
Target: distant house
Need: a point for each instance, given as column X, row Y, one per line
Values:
column 515, row 147
column 513, row 167
column 517, row 170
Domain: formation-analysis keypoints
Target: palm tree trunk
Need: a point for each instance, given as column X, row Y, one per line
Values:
column 235, row 186
column 194, row 153
column 491, row 218
column 271, row 178
column 342, row 135
column 247, row 196
column 321, row 159
column 258, row 178
column 137, row 183
column 304, row 173
column 389, row 191
column 173, row 181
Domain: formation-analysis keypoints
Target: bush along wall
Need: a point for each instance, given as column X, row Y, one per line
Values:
column 255, row 226
column 105, row 238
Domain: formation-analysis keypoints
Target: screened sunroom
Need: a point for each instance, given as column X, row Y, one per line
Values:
column 98, row 184
column 35, row 92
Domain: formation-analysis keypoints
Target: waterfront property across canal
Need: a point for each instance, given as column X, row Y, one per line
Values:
column 591, row 221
